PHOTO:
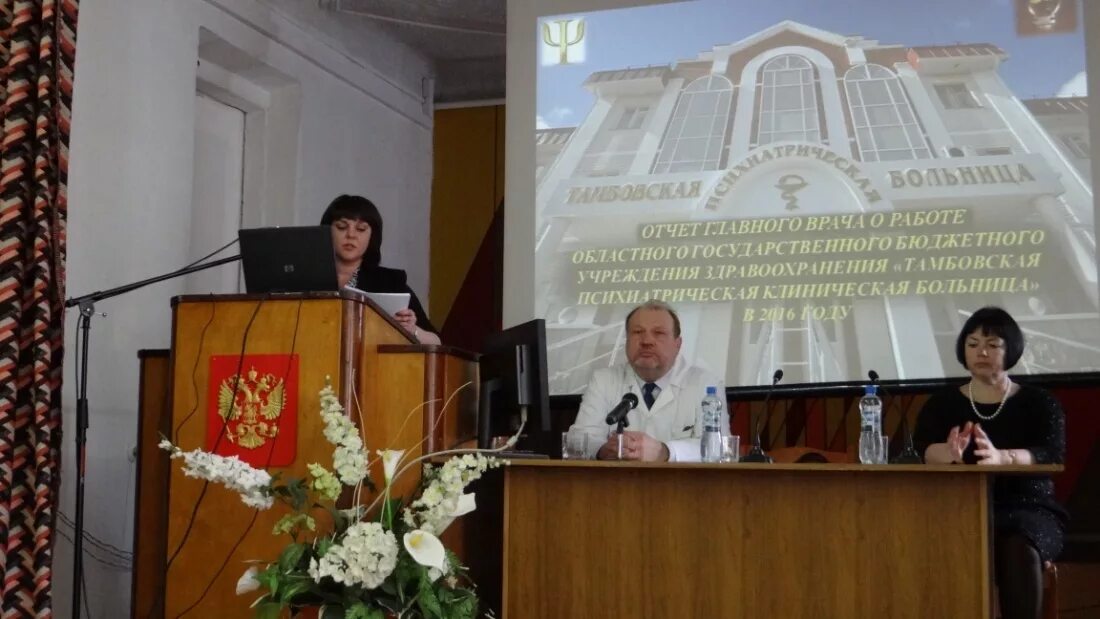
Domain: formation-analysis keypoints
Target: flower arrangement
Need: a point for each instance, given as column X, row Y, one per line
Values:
column 382, row 559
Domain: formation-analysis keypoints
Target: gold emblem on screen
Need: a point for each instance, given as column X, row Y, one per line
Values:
column 252, row 413
column 564, row 41
column 788, row 185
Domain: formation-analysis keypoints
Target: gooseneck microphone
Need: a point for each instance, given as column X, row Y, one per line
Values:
column 618, row 414
column 756, row 454
column 908, row 453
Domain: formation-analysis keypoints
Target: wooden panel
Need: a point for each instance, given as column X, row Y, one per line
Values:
column 796, row 541
column 459, row 381
column 223, row 531
column 401, row 413
column 467, row 187
column 151, row 495
column 435, row 417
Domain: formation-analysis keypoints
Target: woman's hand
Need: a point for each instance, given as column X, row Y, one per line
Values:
column 407, row 319
column 958, row 440
column 985, row 451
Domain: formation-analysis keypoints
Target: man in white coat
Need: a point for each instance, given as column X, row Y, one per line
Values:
column 666, row 425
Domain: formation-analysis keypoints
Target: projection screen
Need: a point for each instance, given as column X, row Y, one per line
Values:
column 819, row 190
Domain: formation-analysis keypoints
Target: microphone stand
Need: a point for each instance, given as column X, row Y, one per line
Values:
column 756, row 455
column 86, row 304
column 619, row 435
column 908, row 453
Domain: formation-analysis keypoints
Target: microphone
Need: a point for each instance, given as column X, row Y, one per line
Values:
column 618, row 414
column 908, row 454
column 756, row 454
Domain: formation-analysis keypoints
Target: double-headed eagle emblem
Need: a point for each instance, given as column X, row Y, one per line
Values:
column 250, row 406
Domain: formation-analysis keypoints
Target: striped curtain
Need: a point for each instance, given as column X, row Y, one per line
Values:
column 37, row 40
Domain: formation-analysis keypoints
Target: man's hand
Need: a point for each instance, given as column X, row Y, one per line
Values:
column 641, row 446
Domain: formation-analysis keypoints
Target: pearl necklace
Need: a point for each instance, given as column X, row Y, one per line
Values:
column 1004, row 398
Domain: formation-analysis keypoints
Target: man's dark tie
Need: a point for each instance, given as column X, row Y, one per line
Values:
column 647, row 394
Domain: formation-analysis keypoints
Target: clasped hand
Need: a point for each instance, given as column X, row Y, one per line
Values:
column 959, row 439
column 636, row 446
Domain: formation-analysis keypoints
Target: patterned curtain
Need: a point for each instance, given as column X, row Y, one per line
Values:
column 37, row 39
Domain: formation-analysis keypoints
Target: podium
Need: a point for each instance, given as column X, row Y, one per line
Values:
column 610, row 539
column 192, row 543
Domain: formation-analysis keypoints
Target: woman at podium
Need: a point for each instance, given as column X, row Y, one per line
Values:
column 991, row 420
column 356, row 228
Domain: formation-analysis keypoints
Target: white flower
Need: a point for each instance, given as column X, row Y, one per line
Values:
column 349, row 459
column 425, row 549
column 464, row 505
column 439, row 503
column 250, row 483
column 350, row 464
column 390, row 459
column 248, row 582
column 366, row 555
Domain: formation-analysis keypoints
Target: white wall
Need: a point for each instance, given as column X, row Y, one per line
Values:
column 364, row 128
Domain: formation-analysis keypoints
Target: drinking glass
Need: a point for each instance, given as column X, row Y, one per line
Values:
column 574, row 444
column 731, row 448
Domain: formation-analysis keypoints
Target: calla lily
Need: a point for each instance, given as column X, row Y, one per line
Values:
column 466, row 504
column 425, row 549
column 390, row 459
column 248, row 582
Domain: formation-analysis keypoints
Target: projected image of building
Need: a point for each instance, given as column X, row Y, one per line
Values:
column 793, row 123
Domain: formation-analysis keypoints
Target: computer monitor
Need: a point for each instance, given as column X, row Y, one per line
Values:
column 290, row 259
column 514, row 387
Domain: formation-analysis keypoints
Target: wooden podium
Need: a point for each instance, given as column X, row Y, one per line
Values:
column 595, row 539
column 191, row 543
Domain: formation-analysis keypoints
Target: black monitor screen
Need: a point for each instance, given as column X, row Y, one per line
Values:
column 513, row 381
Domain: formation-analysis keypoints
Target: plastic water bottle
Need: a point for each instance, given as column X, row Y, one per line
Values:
column 870, row 426
column 710, row 447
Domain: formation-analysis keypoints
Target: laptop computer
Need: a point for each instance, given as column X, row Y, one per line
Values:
column 290, row 259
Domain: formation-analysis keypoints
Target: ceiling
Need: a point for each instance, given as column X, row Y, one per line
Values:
column 464, row 38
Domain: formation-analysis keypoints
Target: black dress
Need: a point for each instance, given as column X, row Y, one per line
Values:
column 1031, row 419
column 381, row 279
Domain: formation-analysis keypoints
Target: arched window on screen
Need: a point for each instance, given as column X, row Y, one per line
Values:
column 696, row 136
column 788, row 102
column 886, row 127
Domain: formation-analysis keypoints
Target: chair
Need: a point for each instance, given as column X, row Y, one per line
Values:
column 1050, row 590
column 808, row 455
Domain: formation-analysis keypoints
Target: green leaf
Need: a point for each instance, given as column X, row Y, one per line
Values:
column 290, row 557
column 333, row 612
column 299, row 494
column 268, row 610
column 294, row 589
column 464, row 606
column 389, row 511
column 426, row 599
column 323, row 545
column 405, row 574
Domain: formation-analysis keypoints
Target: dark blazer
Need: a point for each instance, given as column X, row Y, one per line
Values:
column 381, row 279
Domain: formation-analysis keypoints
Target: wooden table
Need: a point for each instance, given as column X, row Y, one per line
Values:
column 633, row 540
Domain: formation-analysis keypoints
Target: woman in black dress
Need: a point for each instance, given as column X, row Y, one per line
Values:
column 357, row 241
column 993, row 421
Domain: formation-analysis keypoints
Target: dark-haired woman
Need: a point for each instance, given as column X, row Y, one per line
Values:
column 357, row 241
column 993, row 421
